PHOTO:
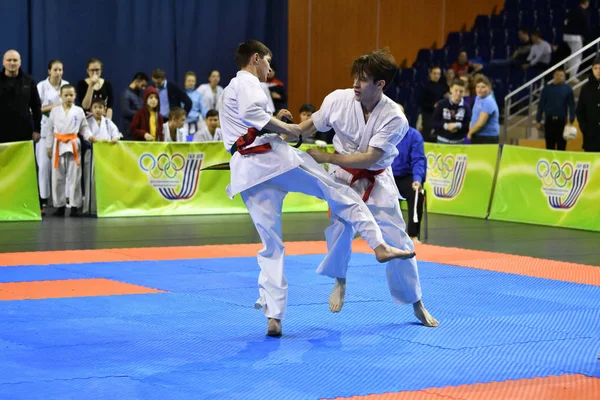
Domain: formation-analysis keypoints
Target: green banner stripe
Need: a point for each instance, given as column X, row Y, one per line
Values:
column 19, row 196
column 135, row 179
column 460, row 178
column 543, row 187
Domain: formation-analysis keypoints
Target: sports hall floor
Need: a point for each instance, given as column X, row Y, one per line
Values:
column 161, row 308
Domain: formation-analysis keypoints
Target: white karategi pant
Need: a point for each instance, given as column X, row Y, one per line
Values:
column 402, row 275
column 44, row 164
column 66, row 179
column 264, row 203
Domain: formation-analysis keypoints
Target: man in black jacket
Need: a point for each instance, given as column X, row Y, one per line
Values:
column 588, row 113
column 170, row 94
column 19, row 102
column 433, row 91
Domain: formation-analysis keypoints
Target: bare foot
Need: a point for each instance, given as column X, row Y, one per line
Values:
column 416, row 240
column 423, row 315
column 274, row 327
column 385, row 253
column 336, row 300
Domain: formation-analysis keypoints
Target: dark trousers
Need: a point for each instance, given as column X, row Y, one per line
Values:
column 404, row 184
column 427, row 135
column 485, row 139
column 553, row 131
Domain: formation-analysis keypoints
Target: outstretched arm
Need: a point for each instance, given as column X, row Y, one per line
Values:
column 356, row 160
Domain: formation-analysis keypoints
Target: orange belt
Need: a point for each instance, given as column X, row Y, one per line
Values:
column 66, row 138
column 363, row 174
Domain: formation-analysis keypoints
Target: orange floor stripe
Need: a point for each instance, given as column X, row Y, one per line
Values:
column 69, row 288
column 564, row 387
column 529, row 266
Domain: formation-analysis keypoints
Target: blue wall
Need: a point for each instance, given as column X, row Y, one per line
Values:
column 130, row 35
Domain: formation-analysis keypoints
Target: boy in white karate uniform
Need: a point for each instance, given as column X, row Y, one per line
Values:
column 368, row 126
column 211, row 132
column 63, row 146
column 264, row 169
column 102, row 130
column 173, row 129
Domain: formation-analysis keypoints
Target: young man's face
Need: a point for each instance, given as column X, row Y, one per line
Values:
column 212, row 123
column 97, row 110
column 68, row 96
column 457, row 92
column 596, row 71
column 179, row 122
column 559, row 77
column 264, row 67
column 523, row 37
column 482, row 89
column 536, row 39
column 435, row 74
column 158, row 82
column 141, row 84
column 304, row 115
column 152, row 101
column 450, row 74
column 365, row 89
column 190, row 82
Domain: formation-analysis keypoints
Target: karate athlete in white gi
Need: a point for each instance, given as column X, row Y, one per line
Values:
column 211, row 131
column 368, row 127
column 264, row 168
column 49, row 91
column 102, row 130
column 173, row 129
column 63, row 148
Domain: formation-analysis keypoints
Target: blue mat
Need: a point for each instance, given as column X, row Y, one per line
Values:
column 202, row 339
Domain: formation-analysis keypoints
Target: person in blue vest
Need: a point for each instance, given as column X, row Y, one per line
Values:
column 409, row 169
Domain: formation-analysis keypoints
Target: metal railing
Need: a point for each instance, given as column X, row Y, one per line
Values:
column 520, row 105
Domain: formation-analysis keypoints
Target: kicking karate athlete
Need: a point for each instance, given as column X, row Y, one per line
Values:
column 368, row 127
column 264, row 168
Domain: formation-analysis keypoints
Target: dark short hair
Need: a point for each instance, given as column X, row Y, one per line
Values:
column 176, row 112
column 98, row 100
column 596, row 61
column 189, row 73
column 537, row 33
column 212, row 113
column 524, row 30
column 435, row 67
column 379, row 65
column 307, row 107
column 458, row 82
column 67, row 86
column 559, row 69
column 52, row 62
column 140, row 76
column 214, row 70
column 158, row 74
column 247, row 49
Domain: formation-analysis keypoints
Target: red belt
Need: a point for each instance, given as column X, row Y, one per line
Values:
column 363, row 174
column 244, row 141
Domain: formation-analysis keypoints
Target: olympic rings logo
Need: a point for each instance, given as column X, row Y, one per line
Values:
column 438, row 165
column 163, row 165
column 555, row 173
